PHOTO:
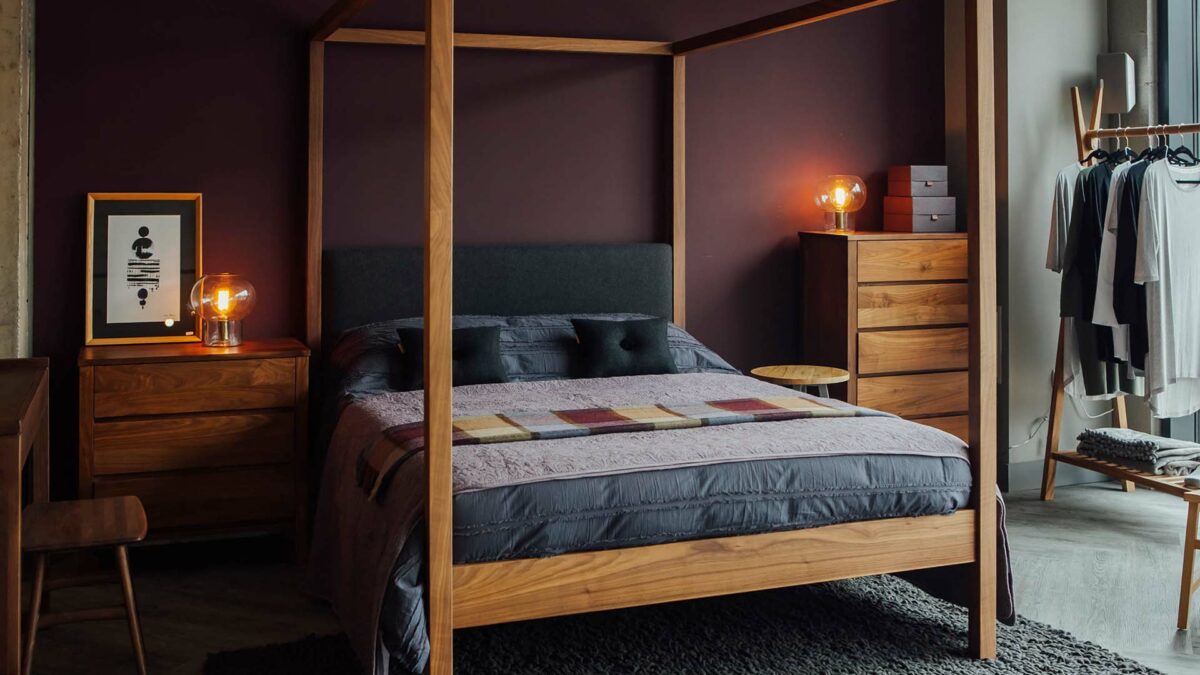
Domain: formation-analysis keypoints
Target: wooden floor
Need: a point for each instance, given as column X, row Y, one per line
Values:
column 1098, row 563
column 1104, row 566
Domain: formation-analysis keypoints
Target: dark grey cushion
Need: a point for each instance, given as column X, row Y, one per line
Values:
column 476, row 357
column 620, row 348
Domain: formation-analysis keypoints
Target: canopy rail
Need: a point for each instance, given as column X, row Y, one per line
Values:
column 341, row 12
column 532, row 43
column 775, row 23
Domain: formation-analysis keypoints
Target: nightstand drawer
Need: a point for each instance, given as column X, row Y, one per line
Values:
column 198, row 386
column 899, row 305
column 193, row 442
column 920, row 260
column 907, row 351
column 210, row 498
column 908, row 395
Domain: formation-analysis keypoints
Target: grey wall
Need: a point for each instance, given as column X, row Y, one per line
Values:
column 1051, row 47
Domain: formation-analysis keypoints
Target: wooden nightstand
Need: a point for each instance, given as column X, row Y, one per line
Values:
column 213, row 440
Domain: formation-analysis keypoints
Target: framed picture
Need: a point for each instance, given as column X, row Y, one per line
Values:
column 143, row 256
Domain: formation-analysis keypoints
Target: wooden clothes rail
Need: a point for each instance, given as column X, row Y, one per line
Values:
column 478, row 594
column 1086, row 137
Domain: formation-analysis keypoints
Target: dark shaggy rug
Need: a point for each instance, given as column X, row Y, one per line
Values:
column 859, row 626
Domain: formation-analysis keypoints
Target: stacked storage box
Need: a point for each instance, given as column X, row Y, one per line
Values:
column 918, row 200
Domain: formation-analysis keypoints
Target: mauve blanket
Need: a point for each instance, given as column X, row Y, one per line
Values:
column 356, row 541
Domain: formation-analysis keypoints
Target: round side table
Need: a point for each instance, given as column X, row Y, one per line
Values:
column 803, row 377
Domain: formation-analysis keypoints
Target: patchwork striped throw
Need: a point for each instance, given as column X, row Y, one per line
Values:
column 377, row 463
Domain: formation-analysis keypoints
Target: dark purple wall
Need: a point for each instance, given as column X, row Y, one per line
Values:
column 209, row 96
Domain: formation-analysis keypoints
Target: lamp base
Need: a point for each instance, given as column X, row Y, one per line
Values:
column 222, row 333
column 839, row 222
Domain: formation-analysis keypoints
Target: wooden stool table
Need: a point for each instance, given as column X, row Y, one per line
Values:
column 803, row 377
column 60, row 527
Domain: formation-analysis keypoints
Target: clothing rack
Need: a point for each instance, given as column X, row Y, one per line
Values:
column 1086, row 137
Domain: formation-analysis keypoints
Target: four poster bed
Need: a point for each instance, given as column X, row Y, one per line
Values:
column 471, row 575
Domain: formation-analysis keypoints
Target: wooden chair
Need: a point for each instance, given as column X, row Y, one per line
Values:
column 60, row 527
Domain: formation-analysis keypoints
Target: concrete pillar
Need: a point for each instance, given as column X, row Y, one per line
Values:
column 1131, row 29
column 16, row 175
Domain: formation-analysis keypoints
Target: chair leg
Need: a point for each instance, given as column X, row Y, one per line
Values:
column 35, row 611
column 1189, row 558
column 135, row 626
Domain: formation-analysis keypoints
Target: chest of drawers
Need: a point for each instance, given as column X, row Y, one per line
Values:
column 890, row 308
column 213, row 441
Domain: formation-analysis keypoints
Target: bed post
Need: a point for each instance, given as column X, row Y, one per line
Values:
column 981, row 130
column 316, row 179
column 439, row 257
column 679, row 187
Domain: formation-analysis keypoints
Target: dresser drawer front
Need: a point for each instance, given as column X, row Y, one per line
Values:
column 194, row 442
column 909, row 351
column 170, row 388
column 923, row 260
column 909, row 395
column 211, row 498
column 900, row 305
column 957, row 425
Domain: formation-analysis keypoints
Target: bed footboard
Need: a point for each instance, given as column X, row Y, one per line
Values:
column 573, row 583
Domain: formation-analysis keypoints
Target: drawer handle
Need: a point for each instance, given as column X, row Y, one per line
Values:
column 928, row 183
column 933, row 217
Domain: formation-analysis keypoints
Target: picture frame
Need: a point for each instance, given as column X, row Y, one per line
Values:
column 143, row 256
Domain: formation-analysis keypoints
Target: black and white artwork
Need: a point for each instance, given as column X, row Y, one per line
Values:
column 143, row 269
column 143, row 258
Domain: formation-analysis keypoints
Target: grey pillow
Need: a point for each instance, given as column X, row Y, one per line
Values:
column 537, row 347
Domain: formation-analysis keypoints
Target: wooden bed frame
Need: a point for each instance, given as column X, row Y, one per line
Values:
column 497, row 592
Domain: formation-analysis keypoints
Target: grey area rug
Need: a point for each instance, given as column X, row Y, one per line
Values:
column 859, row 626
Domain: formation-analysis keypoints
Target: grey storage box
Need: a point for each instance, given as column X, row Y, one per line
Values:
column 919, row 214
column 918, row 181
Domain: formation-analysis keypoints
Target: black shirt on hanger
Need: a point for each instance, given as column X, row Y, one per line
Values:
column 1082, row 267
column 1129, row 299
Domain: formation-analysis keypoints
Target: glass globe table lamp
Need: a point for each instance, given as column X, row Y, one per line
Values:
column 222, row 301
column 841, row 196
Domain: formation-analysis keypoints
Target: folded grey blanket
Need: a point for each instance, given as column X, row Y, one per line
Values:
column 1193, row 480
column 1141, row 451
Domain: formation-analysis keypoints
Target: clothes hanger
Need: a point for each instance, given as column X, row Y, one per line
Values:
column 1183, row 154
column 1148, row 153
column 1124, row 153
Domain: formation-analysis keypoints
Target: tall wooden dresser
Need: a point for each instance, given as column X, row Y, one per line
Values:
column 891, row 308
column 213, row 440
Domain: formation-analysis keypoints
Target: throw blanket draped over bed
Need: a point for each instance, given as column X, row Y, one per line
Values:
column 377, row 464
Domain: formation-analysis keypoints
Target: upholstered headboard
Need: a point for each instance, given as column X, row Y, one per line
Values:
column 378, row 283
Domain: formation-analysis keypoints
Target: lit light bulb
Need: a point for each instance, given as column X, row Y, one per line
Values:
column 839, row 197
column 223, row 301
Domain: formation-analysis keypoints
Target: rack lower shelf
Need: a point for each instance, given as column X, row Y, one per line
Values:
column 1170, row 484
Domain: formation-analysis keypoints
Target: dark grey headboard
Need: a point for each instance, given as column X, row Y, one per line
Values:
column 378, row 283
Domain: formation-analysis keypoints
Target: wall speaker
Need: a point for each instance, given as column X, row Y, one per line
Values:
column 1120, row 88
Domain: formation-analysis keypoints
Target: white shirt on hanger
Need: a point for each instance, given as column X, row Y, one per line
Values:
column 1060, row 215
column 1168, row 263
column 1103, row 313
